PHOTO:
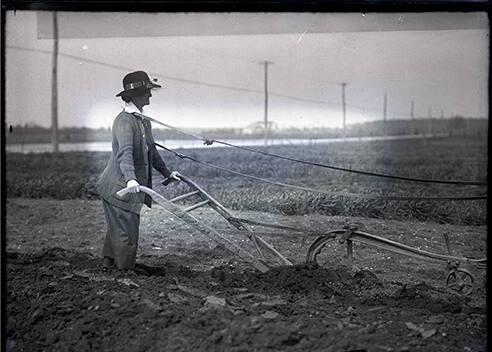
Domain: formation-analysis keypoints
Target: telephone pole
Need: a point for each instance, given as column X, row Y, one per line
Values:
column 344, row 84
column 385, row 113
column 430, row 120
column 265, row 131
column 412, row 105
column 54, row 87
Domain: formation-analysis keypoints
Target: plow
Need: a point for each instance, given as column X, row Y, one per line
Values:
column 263, row 256
column 458, row 279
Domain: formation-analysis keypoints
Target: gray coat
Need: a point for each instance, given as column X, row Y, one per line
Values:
column 133, row 156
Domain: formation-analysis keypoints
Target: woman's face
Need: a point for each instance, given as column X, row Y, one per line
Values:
column 142, row 100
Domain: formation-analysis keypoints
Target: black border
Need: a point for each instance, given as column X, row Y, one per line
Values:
column 250, row 5
column 488, row 275
column 215, row 6
column 3, row 270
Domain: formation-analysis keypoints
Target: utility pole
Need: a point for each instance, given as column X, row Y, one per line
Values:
column 344, row 84
column 54, row 87
column 385, row 106
column 441, row 124
column 412, row 116
column 430, row 120
column 265, row 131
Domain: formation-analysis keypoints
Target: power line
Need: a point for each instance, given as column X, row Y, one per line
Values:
column 125, row 68
column 214, row 85
column 363, row 108
column 201, row 83
column 172, row 78
column 307, row 100
column 223, row 55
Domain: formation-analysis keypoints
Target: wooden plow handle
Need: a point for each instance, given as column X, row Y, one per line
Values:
column 259, row 243
column 201, row 227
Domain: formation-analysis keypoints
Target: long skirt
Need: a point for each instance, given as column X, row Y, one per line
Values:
column 122, row 237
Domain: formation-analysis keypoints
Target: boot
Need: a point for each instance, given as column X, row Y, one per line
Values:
column 108, row 262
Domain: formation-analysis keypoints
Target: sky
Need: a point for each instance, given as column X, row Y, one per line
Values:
column 213, row 76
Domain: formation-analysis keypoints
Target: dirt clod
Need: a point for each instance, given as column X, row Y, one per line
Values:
column 301, row 279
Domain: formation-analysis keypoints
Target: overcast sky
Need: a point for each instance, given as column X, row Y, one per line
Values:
column 443, row 69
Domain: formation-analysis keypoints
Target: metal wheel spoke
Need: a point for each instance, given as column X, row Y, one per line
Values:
column 460, row 281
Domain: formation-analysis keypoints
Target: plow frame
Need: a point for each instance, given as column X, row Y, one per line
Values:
column 457, row 279
column 261, row 246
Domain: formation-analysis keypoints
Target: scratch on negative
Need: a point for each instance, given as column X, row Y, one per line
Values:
column 301, row 36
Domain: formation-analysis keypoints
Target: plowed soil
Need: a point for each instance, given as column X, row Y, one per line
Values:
column 189, row 294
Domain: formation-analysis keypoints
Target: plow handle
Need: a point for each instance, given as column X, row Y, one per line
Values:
column 123, row 192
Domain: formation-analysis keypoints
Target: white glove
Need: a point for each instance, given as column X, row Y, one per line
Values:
column 133, row 185
column 175, row 175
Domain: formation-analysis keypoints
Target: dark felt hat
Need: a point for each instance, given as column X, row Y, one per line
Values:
column 136, row 83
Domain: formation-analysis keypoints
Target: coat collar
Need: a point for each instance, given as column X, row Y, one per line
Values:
column 131, row 108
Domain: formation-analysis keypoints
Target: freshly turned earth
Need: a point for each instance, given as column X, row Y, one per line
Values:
column 188, row 294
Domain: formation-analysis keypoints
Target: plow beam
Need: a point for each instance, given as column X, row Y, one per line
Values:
column 384, row 243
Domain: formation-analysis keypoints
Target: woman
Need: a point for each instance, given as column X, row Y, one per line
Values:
column 133, row 156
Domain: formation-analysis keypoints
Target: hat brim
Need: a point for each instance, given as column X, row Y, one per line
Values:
column 138, row 91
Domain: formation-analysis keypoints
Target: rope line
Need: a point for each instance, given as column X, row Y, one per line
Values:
column 338, row 168
column 361, row 172
column 309, row 189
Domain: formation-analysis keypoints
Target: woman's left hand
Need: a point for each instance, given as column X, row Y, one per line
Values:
column 173, row 177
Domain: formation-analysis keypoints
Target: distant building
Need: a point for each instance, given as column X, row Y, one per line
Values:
column 258, row 127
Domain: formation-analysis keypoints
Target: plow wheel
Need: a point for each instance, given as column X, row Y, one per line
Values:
column 460, row 281
column 313, row 254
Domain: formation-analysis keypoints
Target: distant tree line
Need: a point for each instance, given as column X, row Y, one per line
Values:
column 455, row 126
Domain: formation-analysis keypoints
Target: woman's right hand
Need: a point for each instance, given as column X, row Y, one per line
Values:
column 133, row 186
column 175, row 176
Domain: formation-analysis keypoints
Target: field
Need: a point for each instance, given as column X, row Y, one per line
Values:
column 72, row 176
column 188, row 294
